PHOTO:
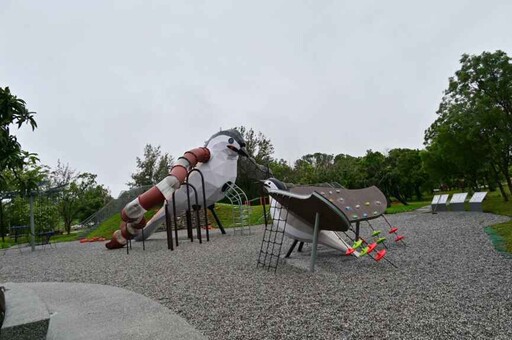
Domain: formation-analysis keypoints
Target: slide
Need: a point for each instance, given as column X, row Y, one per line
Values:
column 217, row 161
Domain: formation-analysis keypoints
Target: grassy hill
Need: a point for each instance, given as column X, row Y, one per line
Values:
column 224, row 211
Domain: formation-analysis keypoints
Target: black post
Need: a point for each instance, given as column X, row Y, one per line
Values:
column 291, row 248
column 188, row 217
column 188, row 214
column 175, row 218
column 219, row 223
column 300, row 247
column 168, row 227
column 204, row 200
column 357, row 230
column 143, row 240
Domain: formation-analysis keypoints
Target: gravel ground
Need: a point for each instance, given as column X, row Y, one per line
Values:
column 450, row 283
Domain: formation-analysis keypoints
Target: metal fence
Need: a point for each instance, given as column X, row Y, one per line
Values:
column 113, row 207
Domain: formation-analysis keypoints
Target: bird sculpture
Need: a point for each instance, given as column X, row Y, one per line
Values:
column 217, row 162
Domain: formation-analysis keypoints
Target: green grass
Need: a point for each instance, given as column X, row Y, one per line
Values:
column 500, row 234
column 65, row 237
column 224, row 211
column 397, row 208
column 225, row 214
column 107, row 227
column 494, row 203
column 56, row 239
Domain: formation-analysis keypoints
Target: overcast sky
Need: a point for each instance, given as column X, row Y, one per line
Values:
column 108, row 77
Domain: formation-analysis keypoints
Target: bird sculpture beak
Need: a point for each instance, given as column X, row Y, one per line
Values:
column 242, row 152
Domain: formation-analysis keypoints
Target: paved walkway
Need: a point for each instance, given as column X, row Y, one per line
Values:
column 93, row 311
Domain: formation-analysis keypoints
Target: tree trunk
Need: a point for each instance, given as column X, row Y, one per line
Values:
column 509, row 182
column 417, row 190
column 399, row 197
column 502, row 191
column 490, row 184
column 67, row 225
column 2, row 221
column 498, row 183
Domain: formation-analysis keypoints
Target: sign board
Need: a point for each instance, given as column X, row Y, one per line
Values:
column 459, row 198
column 475, row 203
column 478, row 197
column 443, row 199
column 435, row 199
column 441, row 203
column 457, row 201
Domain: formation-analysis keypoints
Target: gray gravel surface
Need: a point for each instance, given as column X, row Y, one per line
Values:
column 450, row 283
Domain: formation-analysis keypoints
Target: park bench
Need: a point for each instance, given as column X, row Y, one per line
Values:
column 20, row 235
column 45, row 238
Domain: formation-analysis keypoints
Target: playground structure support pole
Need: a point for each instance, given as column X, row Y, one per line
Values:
column 32, row 226
column 315, row 242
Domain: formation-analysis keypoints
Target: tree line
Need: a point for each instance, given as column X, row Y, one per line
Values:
column 468, row 146
column 61, row 196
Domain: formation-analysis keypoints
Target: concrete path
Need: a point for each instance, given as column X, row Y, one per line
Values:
column 93, row 311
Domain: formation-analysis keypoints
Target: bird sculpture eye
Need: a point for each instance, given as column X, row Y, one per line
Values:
column 231, row 140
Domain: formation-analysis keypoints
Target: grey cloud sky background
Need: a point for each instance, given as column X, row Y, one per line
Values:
column 107, row 77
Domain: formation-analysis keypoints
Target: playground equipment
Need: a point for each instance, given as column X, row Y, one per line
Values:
column 318, row 215
column 212, row 168
column 241, row 209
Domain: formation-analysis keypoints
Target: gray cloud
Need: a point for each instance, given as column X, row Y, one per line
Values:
column 107, row 77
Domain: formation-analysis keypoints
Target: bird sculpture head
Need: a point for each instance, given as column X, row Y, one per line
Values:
column 227, row 140
column 273, row 184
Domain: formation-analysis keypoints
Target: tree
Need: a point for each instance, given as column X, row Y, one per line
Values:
column 315, row 168
column 257, row 145
column 12, row 111
column 475, row 117
column 405, row 173
column 282, row 171
column 20, row 182
column 260, row 148
column 373, row 166
column 80, row 197
column 348, row 171
column 152, row 168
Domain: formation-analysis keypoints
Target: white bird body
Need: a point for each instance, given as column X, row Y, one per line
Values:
column 217, row 162
column 220, row 170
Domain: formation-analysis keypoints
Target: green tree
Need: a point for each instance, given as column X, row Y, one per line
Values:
column 405, row 173
column 348, row 171
column 20, row 182
column 152, row 168
column 260, row 148
column 81, row 195
column 474, row 121
column 12, row 111
column 374, row 168
column 282, row 171
column 315, row 168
